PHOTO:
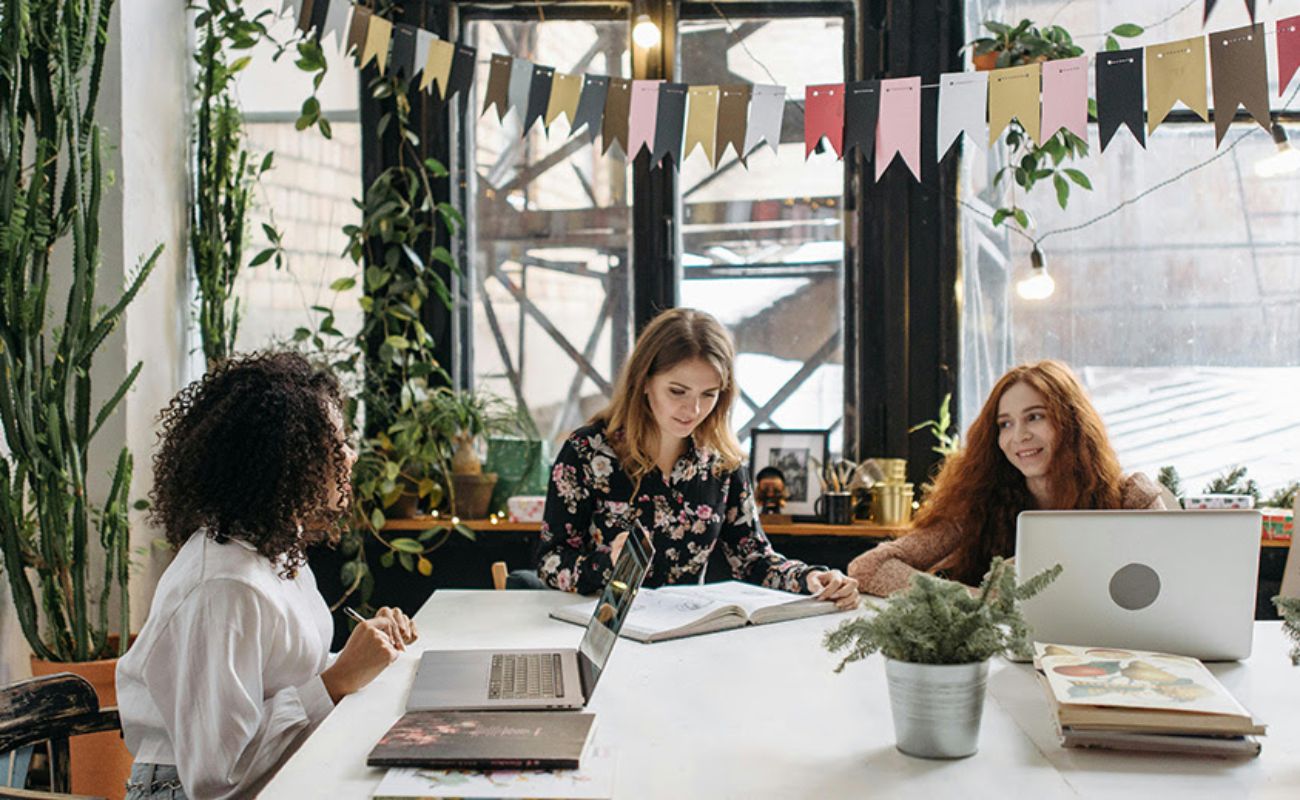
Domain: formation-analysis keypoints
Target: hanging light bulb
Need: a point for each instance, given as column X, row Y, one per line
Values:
column 645, row 33
column 1284, row 162
column 1039, row 285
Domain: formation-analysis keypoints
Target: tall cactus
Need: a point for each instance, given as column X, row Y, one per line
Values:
column 51, row 179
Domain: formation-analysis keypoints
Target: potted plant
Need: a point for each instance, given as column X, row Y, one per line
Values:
column 1289, row 608
column 64, row 552
column 937, row 638
column 468, row 418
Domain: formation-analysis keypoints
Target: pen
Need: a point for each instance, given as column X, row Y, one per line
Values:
column 352, row 612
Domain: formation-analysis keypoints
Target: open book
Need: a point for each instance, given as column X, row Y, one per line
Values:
column 1137, row 700
column 670, row 612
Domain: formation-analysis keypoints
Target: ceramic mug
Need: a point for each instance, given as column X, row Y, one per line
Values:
column 836, row 508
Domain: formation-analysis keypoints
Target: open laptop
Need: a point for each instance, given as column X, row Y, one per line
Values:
column 1167, row 581
column 471, row 680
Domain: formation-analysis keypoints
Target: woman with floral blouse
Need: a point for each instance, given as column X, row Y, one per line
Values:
column 663, row 453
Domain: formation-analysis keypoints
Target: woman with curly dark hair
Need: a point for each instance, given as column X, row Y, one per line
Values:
column 232, row 668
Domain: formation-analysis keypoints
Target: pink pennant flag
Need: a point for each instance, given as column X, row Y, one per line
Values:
column 900, row 124
column 641, row 118
column 1288, row 52
column 1065, row 97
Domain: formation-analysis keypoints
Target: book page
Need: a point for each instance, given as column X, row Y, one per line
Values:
column 749, row 598
column 1134, row 679
column 655, row 611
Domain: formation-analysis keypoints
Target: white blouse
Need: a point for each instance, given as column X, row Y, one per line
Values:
column 224, row 679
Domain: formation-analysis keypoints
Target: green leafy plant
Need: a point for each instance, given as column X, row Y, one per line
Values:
column 947, row 440
column 1234, row 481
column 1289, row 608
column 941, row 622
column 1028, row 163
column 1284, row 496
column 51, row 184
column 1168, row 477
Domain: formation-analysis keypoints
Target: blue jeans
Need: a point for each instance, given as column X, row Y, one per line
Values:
column 154, row 782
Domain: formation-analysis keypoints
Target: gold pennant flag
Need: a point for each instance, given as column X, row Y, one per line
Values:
column 702, row 122
column 565, row 91
column 1015, row 93
column 1176, row 71
column 438, row 66
column 378, row 35
column 357, row 31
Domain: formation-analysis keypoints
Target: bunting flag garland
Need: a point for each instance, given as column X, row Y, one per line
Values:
column 1065, row 97
column 423, row 41
column 862, row 117
column 303, row 9
column 591, row 106
column 823, row 117
column 702, row 123
column 1176, row 71
column 618, row 110
column 670, row 119
column 462, row 70
column 521, row 82
column 766, row 113
column 437, row 66
column 539, row 95
column 336, row 21
column 1288, row 51
column 497, row 92
column 357, row 31
column 378, row 34
column 403, row 57
column 733, row 109
column 1209, row 6
column 1240, row 70
column 320, row 10
column 963, row 100
column 1013, row 94
column 641, row 118
column 566, row 89
column 1119, row 94
column 900, row 125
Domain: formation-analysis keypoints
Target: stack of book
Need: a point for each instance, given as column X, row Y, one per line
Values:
column 1140, row 701
column 498, row 754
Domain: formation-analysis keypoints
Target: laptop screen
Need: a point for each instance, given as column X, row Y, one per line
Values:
column 612, row 609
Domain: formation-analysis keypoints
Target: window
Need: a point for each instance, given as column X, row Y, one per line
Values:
column 1181, row 312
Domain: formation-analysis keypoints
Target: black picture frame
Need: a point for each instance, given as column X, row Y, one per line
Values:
column 796, row 452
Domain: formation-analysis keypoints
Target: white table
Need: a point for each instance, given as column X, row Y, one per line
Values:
column 757, row 713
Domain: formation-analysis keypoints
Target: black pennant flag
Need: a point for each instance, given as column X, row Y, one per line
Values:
column 861, row 115
column 1209, row 6
column 402, row 61
column 1119, row 94
column 320, row 11
column 462, row 71
column 591, row 105
column 539, row 95
column 670, row 119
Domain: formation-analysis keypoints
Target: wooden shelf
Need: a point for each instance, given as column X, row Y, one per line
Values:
column 856, row 531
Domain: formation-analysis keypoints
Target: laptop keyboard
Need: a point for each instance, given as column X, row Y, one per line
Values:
column 525, row 676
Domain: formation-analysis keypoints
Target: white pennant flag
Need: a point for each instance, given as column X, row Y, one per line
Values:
column 766, row 109
column 521, row 82
column 336, row 21
column 423, row 41
column 963, row 103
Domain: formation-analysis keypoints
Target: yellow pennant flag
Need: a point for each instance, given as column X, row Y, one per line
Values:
column 1176, row 71
column 702, row 122
column 378, row 35
column 565, row 91
column 438, row 66
column 1015, row 93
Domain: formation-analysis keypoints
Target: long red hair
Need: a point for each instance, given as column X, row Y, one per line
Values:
column 980, row 493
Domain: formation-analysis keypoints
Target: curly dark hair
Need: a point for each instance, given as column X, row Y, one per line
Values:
column 251, row 451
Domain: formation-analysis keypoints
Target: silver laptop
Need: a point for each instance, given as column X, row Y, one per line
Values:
column 466, row 680
column 1167, row 581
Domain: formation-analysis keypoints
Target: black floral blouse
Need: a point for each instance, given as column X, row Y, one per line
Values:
column 588, row 505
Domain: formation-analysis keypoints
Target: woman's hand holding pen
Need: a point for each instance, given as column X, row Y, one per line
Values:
column 373, row 645
column 835, row 586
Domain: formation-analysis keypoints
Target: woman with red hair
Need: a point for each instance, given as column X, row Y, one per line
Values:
column 1038, row 443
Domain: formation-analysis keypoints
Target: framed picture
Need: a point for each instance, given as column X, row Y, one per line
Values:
column 796, row 453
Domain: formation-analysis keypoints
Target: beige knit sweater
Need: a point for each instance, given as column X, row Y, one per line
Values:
column 889, row 567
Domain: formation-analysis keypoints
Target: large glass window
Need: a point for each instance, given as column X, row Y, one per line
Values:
column 762, row 248
column 1181, row 311
column 548, row 234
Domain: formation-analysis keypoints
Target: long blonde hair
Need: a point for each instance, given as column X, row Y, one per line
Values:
column 675, row 336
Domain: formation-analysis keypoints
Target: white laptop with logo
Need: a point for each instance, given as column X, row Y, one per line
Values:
column 471, row 680
column 1167, row 581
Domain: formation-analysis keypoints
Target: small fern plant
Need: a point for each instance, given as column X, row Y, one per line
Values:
column 937, row 621
column 1289, row 608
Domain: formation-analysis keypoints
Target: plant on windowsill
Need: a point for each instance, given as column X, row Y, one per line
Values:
column 1289, row 608
column 940, row 634
column 1030, row 163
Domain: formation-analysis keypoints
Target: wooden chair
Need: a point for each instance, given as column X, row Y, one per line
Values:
column 45, row 712
column 499, row 572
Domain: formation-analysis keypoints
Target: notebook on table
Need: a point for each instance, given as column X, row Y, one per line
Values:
column 460, row 680
column 593, row 781
column 484, row 740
